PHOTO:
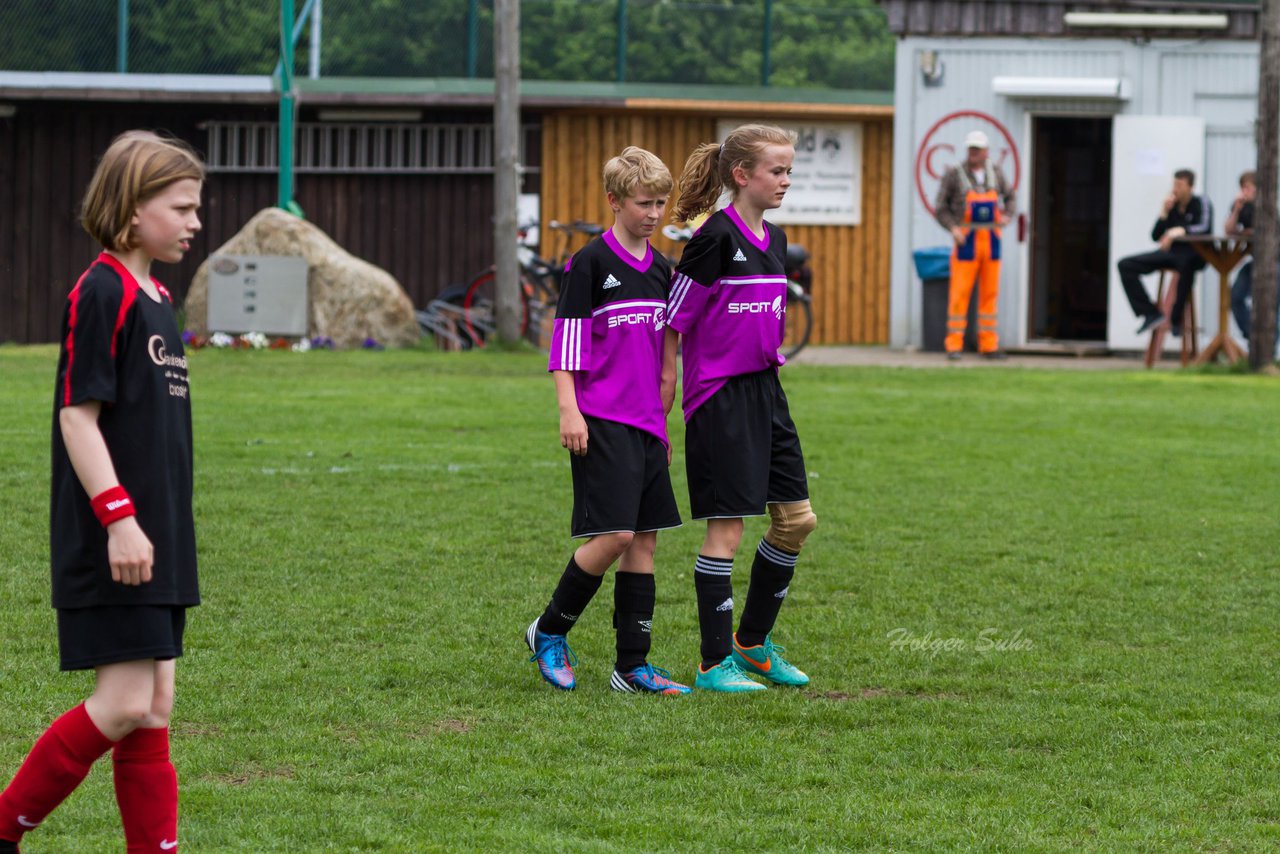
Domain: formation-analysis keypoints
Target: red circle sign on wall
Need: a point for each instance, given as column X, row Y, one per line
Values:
column 943, row 147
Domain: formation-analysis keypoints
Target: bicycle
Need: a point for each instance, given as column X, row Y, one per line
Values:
column 539, row 289
column 798, row 317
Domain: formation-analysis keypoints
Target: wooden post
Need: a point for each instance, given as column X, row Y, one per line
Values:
column 1266, row 244
column 506, row 129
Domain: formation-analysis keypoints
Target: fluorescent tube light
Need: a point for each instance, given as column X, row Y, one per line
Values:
column 1145, row 20
column 1111, row 88
column 369, row 115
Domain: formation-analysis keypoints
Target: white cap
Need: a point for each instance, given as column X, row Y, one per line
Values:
column 976, row 139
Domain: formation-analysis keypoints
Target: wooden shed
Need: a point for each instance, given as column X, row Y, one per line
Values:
column 850, row 262
column 426, row 220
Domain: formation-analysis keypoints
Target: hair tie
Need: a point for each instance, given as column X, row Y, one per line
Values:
column 722, row 148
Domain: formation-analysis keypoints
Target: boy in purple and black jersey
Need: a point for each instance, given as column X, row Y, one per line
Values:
column 608, row 333
column 614, row 369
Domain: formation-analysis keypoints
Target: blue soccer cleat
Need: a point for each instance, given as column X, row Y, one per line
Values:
column 646, row 679
column 554, row 658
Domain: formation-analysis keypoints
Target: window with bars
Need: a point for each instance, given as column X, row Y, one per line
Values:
column 334, row 147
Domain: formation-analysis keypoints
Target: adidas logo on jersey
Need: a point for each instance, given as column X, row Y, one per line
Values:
column 726, row 605
column 738, row 256
column 611, row 282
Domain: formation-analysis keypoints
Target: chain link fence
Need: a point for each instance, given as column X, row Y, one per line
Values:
column 841, row 44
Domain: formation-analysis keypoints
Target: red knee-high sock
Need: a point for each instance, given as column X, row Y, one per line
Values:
column 56, row 764
column 147, row 791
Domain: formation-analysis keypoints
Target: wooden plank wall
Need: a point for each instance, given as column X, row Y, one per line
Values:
column 426, row 230
column 850, row 263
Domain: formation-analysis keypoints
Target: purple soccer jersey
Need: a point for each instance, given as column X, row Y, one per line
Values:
column 609, row 330
column 729, row 301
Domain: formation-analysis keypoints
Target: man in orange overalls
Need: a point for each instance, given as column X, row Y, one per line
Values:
column 973, row 202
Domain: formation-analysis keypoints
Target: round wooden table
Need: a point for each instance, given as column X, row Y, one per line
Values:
column 1222, row 252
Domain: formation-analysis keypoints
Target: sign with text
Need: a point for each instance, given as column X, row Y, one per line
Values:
column 826, row 177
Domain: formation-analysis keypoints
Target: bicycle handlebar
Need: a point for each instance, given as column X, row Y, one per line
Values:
column 578, row 225
column 676, row 233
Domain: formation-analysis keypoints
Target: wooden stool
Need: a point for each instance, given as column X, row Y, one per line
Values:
column 1166, row 293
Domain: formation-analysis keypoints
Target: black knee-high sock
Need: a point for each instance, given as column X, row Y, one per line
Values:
column 712, row 579
column 572, row 595
column 633, row 597
column 770, row 577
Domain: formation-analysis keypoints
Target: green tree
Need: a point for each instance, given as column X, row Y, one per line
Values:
column 181, row 37
column 816, row 43
column 57, row 35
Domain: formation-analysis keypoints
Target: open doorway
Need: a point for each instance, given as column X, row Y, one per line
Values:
column 1070, row 227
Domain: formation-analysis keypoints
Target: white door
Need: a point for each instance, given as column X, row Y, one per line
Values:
column 1145, row 152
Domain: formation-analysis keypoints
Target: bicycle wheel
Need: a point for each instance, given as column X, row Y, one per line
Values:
column 541, row 301
column 479, row 315
column 799, row 321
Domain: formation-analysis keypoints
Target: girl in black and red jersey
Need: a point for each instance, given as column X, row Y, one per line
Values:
column 122, row 537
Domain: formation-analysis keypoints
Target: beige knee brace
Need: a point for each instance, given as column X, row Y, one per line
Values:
column 790, row 525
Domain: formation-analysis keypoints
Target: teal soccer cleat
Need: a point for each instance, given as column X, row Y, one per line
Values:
column 766, row 660
column 727, row 678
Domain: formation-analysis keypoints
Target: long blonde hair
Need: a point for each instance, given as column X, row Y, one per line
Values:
column 709, row 169
column 136, row 166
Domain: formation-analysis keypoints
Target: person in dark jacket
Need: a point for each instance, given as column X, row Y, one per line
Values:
column 1183, row 214
column 1240, row 222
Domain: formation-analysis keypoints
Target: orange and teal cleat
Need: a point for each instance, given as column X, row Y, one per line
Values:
column 766, row 660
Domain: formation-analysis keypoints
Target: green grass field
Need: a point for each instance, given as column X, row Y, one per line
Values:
column 1039, row 613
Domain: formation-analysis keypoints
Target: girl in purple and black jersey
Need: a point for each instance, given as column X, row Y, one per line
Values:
column 122, row 537
column 728, row 301
column 615, row 383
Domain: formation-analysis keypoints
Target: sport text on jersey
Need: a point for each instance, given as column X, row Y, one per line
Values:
column 777, row 307
column 634, row 313
column 657, row 317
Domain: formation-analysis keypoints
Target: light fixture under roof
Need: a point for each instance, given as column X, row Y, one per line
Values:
column 368, row 114
column 1102, row 88
column 1146, row 20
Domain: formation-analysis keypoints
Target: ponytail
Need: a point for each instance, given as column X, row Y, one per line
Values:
column 700, row 185
column 709, row 170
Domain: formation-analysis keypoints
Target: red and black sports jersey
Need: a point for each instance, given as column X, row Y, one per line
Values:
column 124, row 349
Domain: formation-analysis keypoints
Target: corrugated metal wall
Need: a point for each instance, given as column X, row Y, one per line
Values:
column 1214, row 80
column 850, row 263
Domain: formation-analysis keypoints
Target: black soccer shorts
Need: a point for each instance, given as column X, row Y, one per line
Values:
column 742, row 451
column 623, row 482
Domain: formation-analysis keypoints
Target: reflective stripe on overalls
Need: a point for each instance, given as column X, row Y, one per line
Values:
column 976, row 259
